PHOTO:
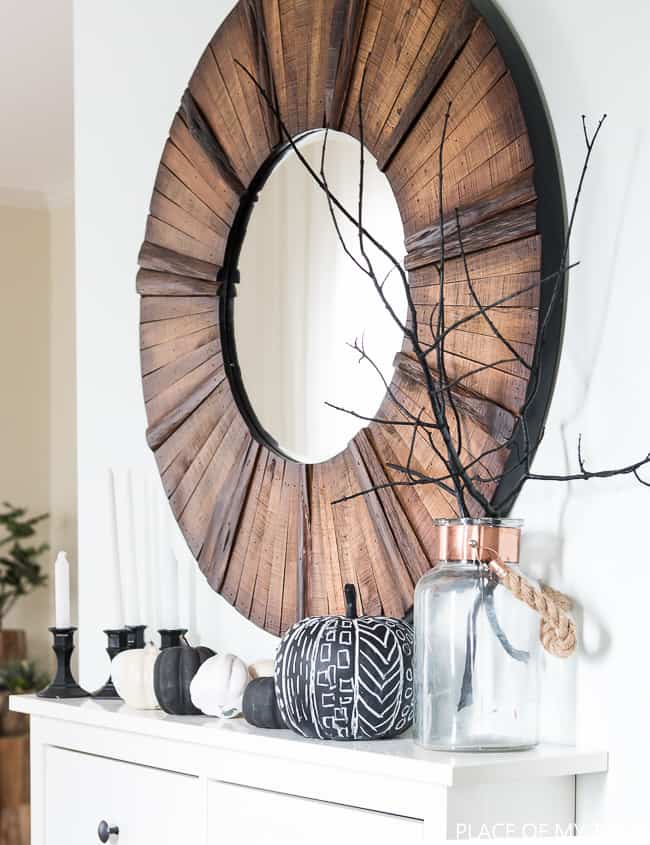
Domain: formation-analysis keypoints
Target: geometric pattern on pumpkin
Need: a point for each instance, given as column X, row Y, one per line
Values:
column 339, row 678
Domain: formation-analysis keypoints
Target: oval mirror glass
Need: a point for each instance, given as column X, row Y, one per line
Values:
column 304, row 309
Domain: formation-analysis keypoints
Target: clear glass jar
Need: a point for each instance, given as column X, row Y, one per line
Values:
column 477, row 647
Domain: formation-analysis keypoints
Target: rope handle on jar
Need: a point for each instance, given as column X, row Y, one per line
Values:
column 557, row 629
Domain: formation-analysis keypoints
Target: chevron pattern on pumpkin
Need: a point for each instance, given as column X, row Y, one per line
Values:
column 339, row 678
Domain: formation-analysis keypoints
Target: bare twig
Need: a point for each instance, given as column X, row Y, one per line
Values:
column 585, row 475
column 481, row 309
column 379, row 420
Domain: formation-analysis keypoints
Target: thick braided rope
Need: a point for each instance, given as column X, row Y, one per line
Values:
column 557, row 629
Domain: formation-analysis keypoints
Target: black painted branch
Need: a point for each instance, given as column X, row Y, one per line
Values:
column 441, row 395
column 379, row 420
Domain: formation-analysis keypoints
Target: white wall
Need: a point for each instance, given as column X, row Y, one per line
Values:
column 132, row 62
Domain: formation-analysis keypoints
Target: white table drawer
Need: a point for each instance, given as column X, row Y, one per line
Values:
column 150, row 806
column 257, row 817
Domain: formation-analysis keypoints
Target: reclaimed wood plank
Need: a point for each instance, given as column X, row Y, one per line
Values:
column 347, row 21
column 154, row 308
column 162, row 428
column 155, row 257
column 430, row 61
column 242, row 567
column 154, row 357
column 154, row 383
column 160, row 331
column 215, row 555
column 155, row 283
column 192, row 434
column 170, row 186
column 194, row 518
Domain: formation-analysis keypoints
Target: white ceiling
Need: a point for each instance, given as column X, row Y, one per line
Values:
column 36, row 147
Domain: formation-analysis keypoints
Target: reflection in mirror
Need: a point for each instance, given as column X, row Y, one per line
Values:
column 302, row 300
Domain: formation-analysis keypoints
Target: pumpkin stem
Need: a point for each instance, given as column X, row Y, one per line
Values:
column 350, row 601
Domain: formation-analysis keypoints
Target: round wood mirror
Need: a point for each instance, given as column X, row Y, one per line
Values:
column 268, row 503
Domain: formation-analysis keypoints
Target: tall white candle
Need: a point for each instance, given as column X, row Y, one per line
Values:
column 116, row 607
column 147, row 581
column 153, row 556
column 168, row 584
column 184, row 589
column 131, row 591
column 61, row 591
column 191, row 603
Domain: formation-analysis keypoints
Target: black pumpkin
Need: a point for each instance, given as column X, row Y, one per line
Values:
column 260, row 706
column 339, row 677
column 173, row 672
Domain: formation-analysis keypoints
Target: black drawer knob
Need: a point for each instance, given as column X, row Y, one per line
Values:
column 105, row 831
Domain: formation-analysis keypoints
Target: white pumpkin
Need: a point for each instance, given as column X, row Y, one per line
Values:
column 261, row 669
column 218, row 687
column 132, row 673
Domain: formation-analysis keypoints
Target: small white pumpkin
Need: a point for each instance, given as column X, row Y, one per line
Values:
column 261, row 669
column 132, row 673
column 218, row 687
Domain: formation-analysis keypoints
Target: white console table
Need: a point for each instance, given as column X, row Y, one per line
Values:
column 168, row 780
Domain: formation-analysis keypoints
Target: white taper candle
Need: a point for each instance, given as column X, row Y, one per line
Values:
column 185, row 592
column 153, row 556
column 132, row 592
column 168, row 583
column 61, row 591
column 116, row 606
column 147, row 569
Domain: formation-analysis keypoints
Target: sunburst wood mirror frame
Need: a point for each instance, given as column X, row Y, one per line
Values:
column 262, row 527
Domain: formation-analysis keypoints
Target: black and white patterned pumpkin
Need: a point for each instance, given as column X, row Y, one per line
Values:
column 343, row 677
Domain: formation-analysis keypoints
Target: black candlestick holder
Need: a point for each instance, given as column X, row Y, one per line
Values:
column 118, row 640
column 135, row 636
column 63, row 685
column 171, row 637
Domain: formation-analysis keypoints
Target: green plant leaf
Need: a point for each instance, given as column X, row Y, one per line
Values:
column 20, row 569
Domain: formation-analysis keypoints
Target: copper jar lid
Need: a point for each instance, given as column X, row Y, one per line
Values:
column 477, row 539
